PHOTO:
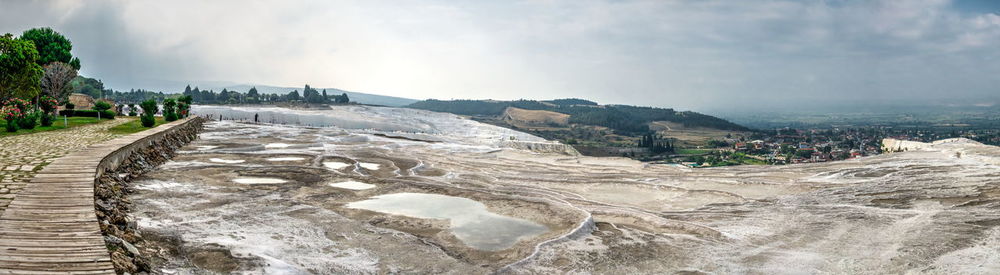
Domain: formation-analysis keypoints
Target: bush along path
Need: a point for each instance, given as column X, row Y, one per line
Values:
column 21, row 156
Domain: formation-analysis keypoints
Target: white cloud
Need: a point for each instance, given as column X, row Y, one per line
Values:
column 688, row 54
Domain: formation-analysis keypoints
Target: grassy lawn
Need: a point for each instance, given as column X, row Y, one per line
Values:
column 134, row 126
column 56, row 125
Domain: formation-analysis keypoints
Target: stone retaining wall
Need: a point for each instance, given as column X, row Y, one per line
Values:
column 114, row 172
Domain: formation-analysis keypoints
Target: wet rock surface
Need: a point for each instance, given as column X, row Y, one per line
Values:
column 922, row 211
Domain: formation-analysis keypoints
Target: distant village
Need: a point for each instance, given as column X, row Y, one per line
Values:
column 786, row 146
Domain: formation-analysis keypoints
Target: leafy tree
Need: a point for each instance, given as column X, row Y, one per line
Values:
column 21, row 74
column 51, row 47
column 149, row 107
column 293, row 95
column 169, row 113
column 88, row 86
column 186, row 99
column 343, row 98
column 253, row 96
column 312, row 95
column 56, row 80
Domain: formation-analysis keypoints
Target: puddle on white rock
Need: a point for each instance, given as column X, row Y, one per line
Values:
column 277, row 145
column 249, row 180
column 286, row 159
column 353, row 185
column 335, row 164
column 226, row 161
column 369, row 165
column 470, row 220
column 158, row 185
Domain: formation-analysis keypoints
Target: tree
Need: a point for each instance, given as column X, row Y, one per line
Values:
column 149, row 107
column 293, row 95
column 253, row 96
column 102, row 105
column 312, row 95
column 21, row 74
column 51, row 47
column 88, row 86
column 186, row 99
column 343, row 98
column 56, row 79
column 168, row 106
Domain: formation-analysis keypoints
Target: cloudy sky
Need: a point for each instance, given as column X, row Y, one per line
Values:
column 686, row 54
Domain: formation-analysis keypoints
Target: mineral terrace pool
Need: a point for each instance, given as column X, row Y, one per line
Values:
column 471, row 222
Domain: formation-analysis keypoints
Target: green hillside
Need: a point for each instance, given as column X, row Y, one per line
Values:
column 623, row 119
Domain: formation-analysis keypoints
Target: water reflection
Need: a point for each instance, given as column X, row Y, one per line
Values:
column 470, row 221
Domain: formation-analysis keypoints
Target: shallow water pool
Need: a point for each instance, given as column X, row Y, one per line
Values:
column 470, row 220
column 227, row 161
column 353, row 185
column 249, row 180
column 335, row 164
column 286, row 159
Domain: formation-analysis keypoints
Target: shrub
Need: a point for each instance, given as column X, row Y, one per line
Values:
column 182, row 109
column 170, row 116
column 47, row 119
column 147, row 120
column 67, row 112
column 169, row 108
column 102, row 105
column 28, row 122
column 149, row 107
column 70, row 106
column 15, row 112
column 48, row 104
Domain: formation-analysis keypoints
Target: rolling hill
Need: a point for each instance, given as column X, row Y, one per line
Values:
column 623, row 119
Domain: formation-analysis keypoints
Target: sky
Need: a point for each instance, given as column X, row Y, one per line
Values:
column 696, row 54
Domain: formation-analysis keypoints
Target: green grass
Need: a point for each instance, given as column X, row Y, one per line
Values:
column 689, row 151
column 56, row 125
column 134, row 126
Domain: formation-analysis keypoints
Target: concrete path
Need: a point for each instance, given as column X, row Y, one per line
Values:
column 22, row 156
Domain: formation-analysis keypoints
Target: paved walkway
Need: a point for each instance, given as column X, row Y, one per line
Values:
column 51, row 226
column 22, row 156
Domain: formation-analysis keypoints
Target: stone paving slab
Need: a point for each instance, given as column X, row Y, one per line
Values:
column 22, row 156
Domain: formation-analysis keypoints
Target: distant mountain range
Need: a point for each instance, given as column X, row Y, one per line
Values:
column 363, row 98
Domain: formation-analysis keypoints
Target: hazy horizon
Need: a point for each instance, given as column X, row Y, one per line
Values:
column 701, row 55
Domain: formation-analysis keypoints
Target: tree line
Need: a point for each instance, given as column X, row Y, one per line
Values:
column 252, row 96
